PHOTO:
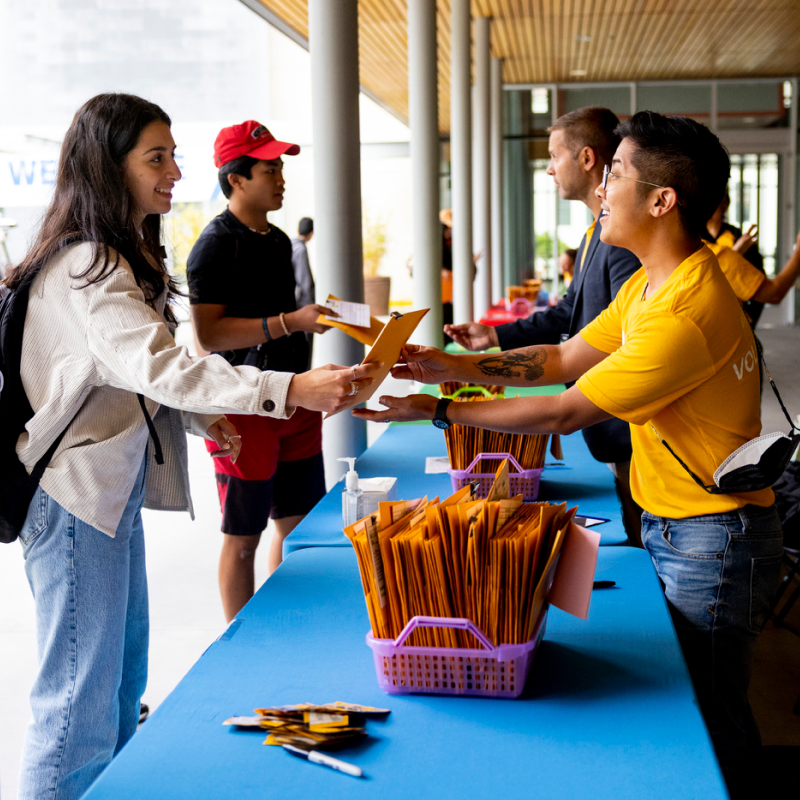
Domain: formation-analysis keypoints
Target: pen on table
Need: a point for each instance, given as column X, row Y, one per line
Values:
column 603, row 584
column 326, row 761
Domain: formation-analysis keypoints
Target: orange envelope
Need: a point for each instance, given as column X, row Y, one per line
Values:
column 385, row 346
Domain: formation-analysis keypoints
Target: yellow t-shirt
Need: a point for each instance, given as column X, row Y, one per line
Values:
column 726, row 238
column 743, row 277
column 685, row 362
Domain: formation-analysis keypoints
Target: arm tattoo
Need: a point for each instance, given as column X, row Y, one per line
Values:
column 527, row 364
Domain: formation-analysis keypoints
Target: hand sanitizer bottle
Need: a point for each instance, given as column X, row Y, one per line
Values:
column 352, row 496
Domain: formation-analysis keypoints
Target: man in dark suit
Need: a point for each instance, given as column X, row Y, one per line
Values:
column 581, row 144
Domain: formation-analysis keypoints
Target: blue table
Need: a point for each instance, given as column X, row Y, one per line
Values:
column 608, row 711
column 401, row 451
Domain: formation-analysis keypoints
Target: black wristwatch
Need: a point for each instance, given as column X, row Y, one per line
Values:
column 440, row 417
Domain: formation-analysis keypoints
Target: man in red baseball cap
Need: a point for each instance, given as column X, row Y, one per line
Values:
column 242, row 294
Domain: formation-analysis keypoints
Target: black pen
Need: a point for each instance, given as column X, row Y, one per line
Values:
column 603, row 584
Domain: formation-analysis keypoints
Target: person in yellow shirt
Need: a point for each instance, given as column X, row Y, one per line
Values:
column 748, row 282
column 674, row 356
column 744, row 242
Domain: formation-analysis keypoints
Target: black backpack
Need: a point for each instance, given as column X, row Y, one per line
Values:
column 16, row 486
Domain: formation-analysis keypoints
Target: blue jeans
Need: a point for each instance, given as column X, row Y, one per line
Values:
column 90, row 592
column 720, row 573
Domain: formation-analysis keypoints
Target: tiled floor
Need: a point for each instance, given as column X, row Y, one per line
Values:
column 186, row 614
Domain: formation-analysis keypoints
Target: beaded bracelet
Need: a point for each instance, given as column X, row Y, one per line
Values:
column 282, row 318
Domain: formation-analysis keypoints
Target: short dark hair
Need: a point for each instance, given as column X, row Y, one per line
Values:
column 305, row 226
column 239, row 166
column 684, row 155
column 571, row 252
column 590, row 126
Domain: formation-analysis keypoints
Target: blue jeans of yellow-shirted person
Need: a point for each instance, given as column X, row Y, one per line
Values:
column 90, row 592
column 720, row 573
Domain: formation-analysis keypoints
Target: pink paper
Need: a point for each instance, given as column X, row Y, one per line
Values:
column 572, row 584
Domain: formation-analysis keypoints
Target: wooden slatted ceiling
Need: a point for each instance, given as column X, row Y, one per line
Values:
column 563, row 41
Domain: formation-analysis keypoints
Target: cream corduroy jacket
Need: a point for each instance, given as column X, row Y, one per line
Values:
column 86, row 352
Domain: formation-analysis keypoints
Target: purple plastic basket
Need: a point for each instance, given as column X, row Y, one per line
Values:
column 523, row 481
column 494, row 672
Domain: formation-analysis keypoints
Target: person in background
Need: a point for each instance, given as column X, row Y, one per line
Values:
column 566, row 265
column 446, row 221
column 304, row 292
column 100, row 364
column 750, row 284
column 581, row 144
column 675, row 357
column 242, row 295
column 727, row 235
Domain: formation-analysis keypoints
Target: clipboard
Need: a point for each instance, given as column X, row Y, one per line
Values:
column 385, row 342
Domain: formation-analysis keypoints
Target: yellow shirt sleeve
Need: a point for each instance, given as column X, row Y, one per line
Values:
column 604, row 332
column 644, row 376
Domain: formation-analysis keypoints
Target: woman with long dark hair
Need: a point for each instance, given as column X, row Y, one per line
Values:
column 97, row 334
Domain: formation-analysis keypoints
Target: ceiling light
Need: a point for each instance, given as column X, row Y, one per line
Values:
column 580, row 38
column 577, row 73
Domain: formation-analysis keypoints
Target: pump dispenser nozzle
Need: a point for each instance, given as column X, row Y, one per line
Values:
column 352, row 502
column 351, row 478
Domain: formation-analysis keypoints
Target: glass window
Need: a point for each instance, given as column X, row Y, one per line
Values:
column 617, row 98
column 688, row 100
column 752, row 105
column 754, row 201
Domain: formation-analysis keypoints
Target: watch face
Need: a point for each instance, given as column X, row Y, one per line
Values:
column 441, row 424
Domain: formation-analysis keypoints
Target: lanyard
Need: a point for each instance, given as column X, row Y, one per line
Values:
column 589, row 233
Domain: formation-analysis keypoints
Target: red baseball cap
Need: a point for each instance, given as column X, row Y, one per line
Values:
column 252, row 139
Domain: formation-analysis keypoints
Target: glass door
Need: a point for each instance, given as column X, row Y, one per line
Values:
column 754, row 191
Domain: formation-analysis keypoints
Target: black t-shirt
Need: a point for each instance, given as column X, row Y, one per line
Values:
column 251, row 274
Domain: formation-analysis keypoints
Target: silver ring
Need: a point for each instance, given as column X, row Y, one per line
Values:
column 353, row 389
column 231, row 438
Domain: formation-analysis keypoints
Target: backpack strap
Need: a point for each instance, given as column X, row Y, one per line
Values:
column 794, row 428
column 158, row 454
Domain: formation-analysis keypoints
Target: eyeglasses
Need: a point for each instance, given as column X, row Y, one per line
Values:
column 607, row 173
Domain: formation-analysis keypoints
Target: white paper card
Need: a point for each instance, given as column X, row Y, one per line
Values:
column 350, row 313
column 436, row 464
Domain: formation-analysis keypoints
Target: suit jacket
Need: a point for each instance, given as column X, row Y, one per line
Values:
column 593, row 288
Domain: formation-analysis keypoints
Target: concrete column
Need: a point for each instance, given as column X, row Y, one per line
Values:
column 496, row 147
column 333, row 47
column 424, row 121
column 481, row 162
column 460, row 159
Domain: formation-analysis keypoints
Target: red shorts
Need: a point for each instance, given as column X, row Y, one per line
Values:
column 279, row 472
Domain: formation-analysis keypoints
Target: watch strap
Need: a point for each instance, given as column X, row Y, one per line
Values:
column 441, row 410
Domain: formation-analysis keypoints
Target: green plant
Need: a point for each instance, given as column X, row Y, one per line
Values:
column 182, row 228
column 544, row 245
column 373, row 243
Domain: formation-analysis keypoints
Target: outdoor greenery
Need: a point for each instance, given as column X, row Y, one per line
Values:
column 373, row 235
column 544, row 246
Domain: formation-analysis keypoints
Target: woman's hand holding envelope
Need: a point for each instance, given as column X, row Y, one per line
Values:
column 331, row 387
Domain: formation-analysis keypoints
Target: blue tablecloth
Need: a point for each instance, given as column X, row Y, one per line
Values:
column 401, row 451
column 608, row 711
